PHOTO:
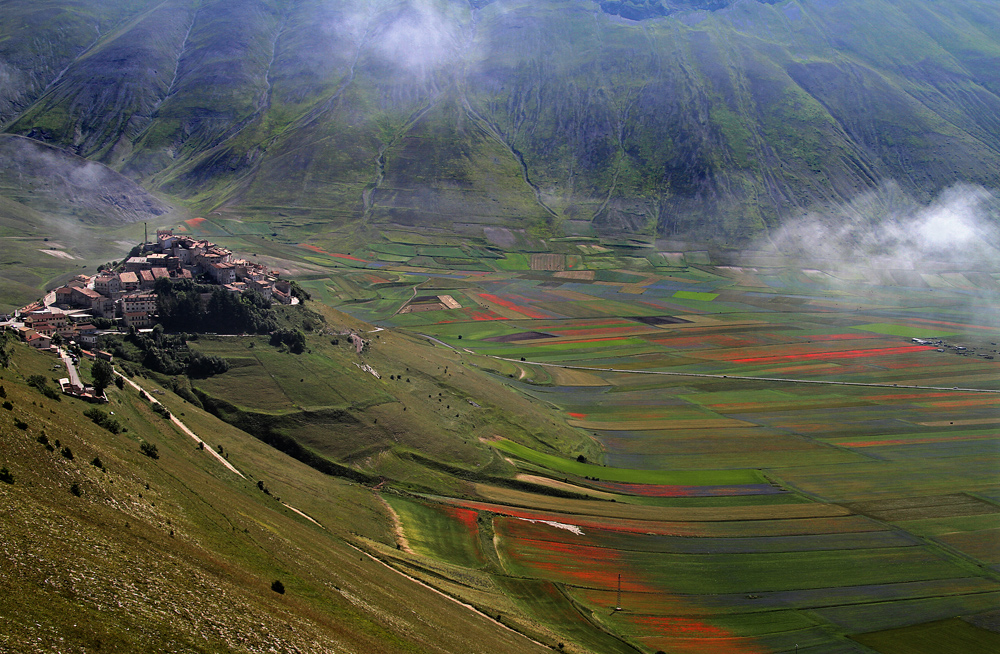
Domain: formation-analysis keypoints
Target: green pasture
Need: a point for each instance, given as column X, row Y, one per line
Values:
column 861, row 618
column 617, row 276
column 950, row 525
column 632, row 476
column 730, row 545
column 715, row 501
column 736, row 457
column 397, row 249
column 570, row 352
column 267, row 378
column 513, row 261
column 695, row 295
column 350, row 291
column 472, row 331
column 905, row 331
column 952, row 636
column 759, row 623
column 553, row 606
column 429, row 530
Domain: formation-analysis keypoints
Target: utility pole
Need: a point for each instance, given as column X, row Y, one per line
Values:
column 618, row 603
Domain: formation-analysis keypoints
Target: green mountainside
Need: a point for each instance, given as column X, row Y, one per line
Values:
column 709, row 118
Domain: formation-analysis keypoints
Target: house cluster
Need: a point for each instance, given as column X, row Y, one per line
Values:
column 40, row 323
column 184, row 256
column 128, row 293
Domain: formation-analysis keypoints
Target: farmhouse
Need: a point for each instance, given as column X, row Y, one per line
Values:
column 107, row 285
column 128, row 281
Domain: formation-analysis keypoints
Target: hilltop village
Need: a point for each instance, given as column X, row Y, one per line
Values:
column 123, row 293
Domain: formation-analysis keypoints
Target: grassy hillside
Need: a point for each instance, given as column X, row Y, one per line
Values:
column 177, row 552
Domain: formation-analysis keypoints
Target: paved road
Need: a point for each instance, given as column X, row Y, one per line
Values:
column 74, row 376
column 434, row 340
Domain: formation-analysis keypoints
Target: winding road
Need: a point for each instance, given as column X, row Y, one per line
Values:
column 229, row 466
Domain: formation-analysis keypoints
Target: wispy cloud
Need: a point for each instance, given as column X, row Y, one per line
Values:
column 888, row 229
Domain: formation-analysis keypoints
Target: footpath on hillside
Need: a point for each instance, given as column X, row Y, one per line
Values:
column 221, row 459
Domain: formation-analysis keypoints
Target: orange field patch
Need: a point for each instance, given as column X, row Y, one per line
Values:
column 507, row 304
column 916, row 441
column 844, row 354
column 330, row 254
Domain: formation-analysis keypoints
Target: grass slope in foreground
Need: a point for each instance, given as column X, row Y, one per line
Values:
column 143, row 554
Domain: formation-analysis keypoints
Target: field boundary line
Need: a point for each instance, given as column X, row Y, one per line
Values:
column 671, row 373
column 447, row 596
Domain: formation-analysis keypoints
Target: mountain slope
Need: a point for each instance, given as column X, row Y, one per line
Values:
column 107, row 549
column 710, row 118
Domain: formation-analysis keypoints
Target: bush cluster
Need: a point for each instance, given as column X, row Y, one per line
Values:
column 41, row 384
column 149, row 450
column 102, row 419
column 164, row 353
column 180, row 308
column 293, row 338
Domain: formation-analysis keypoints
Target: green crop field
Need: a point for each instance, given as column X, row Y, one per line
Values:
column 945, row 636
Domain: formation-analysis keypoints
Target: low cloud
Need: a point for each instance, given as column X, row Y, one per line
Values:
column 886, row 229
column 422, row 36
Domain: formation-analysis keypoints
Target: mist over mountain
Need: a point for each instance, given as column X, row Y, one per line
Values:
column 50, row 180
column 715, row 118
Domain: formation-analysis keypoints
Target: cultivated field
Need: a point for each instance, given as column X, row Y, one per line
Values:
column 795, row 459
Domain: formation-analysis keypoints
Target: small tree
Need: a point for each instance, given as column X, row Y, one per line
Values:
column 278, row 587
column 4, row 348
column 104, row 374
column 75, row 489
column 5, row 476
column 149, row 450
